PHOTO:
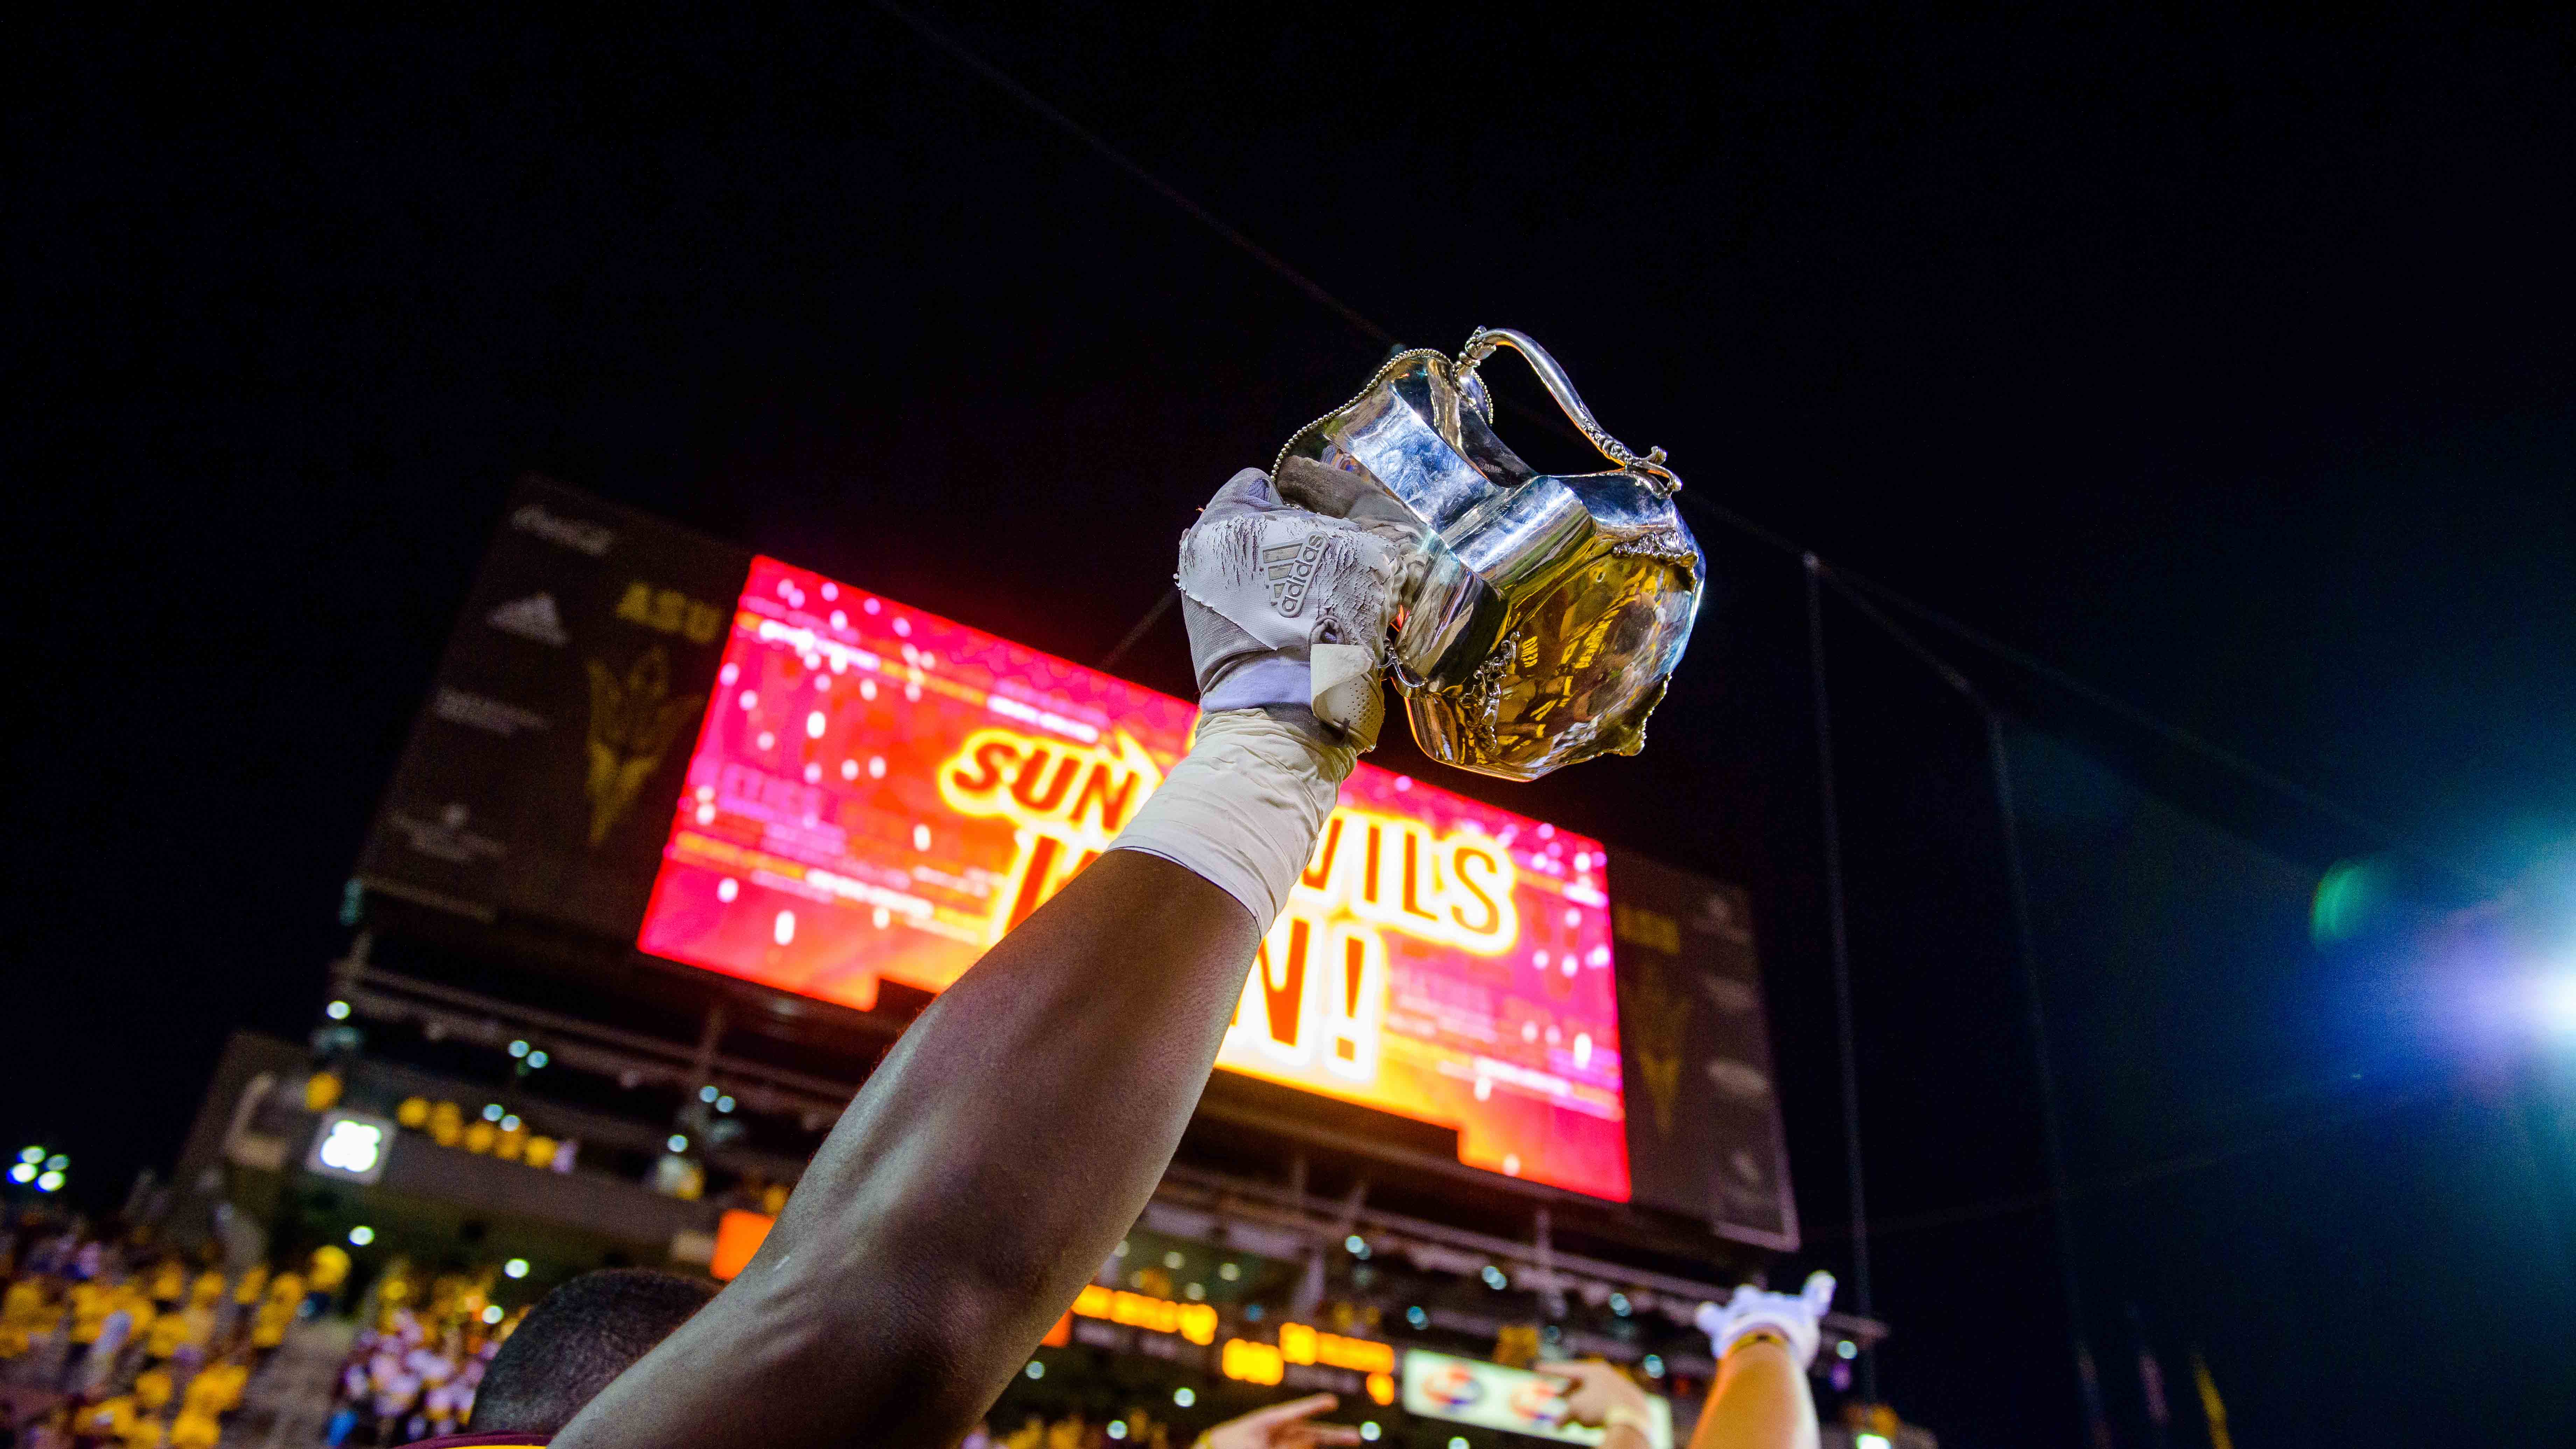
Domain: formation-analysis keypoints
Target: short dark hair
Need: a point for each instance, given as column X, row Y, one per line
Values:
column 578, row 1338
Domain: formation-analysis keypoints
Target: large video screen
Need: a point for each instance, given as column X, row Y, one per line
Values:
column 878, row 794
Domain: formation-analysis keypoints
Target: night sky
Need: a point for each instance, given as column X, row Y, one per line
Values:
column 2226, row 364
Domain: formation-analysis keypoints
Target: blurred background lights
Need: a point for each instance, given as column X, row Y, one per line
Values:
column 1185, row 1396
column 491, row 1313
column 1653, row 1365
column 1357, row 1245
column 337, row 1011
column 1417, row 1317
column 516, row 1268
column 1036, row 1370
column 492, row 1112
column 1847, row 1349
column 361, row 1235
column 1495, row 1277
column 31, row 1154
column 57, row 1163
column 1117, row 1428
column 2351, row 896
column 1369, row 1430
column 22, row 1172
column 536, row 1059
column 49, row 1181
column 1867, row 1440
column 518, row 1048
column 1457, row 1441
column 706, row 1094
column 677, row 1143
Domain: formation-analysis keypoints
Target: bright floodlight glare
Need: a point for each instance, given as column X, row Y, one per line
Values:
column 2558, row 1002
column 362, row 1235
column 23, row 1172
column 49, row 1182
column 516, row 1267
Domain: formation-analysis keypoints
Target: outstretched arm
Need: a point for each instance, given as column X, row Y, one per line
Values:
column 1018, row 1128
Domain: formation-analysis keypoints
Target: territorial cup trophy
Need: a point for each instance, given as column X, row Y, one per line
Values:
column 1543, row 614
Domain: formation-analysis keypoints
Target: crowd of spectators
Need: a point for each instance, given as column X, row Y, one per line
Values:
column 420, row 1351
column 106, row 1338
column 109, row 1341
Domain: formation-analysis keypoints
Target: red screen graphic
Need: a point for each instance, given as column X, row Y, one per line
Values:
column 879, row 794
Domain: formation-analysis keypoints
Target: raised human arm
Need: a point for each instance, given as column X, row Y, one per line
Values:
column 1018, row 1128
column 1764, row 1342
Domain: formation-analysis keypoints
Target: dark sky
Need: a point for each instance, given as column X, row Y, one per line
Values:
column 2227, row 363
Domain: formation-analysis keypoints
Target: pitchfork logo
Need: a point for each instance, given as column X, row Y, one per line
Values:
column 1291, row 570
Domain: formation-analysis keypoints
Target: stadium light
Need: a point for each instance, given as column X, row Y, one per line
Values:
column 49, row 1181
column 2558, row 1002
column 23, row 1172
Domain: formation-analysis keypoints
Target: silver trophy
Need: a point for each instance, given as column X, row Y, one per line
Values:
column 1545, row 613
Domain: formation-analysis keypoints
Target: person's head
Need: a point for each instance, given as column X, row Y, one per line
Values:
column 577, row 1339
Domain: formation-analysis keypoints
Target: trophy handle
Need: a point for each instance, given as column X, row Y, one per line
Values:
column 1649, row 466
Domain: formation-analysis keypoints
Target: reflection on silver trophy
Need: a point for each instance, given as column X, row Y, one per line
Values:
column 1546, row 612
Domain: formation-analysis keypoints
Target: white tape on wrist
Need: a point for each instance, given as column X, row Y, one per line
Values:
column 1244, row 807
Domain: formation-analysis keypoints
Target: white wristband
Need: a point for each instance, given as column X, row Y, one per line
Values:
column 1244, row 807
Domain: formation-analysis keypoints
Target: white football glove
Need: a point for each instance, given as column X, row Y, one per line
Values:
column 1287, row 607
column 1754, row 1310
